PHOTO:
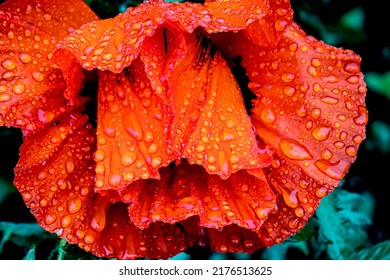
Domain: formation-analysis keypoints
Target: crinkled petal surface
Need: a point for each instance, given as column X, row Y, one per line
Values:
column 176, row 161
column 30, row 89
column 310, row 109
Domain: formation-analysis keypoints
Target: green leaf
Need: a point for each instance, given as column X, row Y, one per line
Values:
column 343, row 218
column 30, row 254
column 380, row 251
column 378, row 82
column 23, row 234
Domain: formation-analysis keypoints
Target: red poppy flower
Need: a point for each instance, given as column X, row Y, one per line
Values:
column 175, row 160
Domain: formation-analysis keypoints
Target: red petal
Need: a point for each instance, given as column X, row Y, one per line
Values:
column 210, row 126
column 268, row 30
column 30, row 90
column 231, row 238
column 187, row 190
column 113, row 44
column 311, row 111
column 55, row 177
column 131, row 137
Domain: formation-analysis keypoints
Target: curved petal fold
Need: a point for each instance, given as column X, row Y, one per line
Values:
column 187, row 190
column 30, row 89
column 113, row 44
column 310, row 109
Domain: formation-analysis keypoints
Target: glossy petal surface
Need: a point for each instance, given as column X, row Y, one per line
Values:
column 310, row 109
column 30, row 89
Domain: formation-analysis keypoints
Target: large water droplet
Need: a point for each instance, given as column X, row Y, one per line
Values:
column 294, row 150
column 362, row 118
column 290, row 198
column 74, row 205
column 321, row 133
column 333, row 170
column 267, row 115
column 98, row 220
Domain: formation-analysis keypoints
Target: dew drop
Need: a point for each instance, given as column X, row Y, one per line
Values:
column 108, row 125
column 362, row 118
column 294, row 150
column 353, row 79
column 98, row 220
column 50, row 219
column 223, row 164
column 335, row 171
column 223, row 248
column 330, row 100
column 351, row 151
column 65, row 221
column 69, row 166
column 114, row 180
column 299, row 212
column 321, row 133
column 128, row 158
column 38, row 76
column 326, row 154
column 156, row 162
column 287, row 77
column 62, row 184
column 293, row 223
column 262, row 213
column 352, row 67
column 19, row 87
column 290, row 198
column 42, row 175
column 5, row 97
column 88, row 239
column 99, row 155
column 8, row 64
column 289, row 91
column 74, row 205
column 267, row 115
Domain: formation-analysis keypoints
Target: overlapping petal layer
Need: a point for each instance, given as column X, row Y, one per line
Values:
column 310, row 109
column 176, row 161
column 30, row 89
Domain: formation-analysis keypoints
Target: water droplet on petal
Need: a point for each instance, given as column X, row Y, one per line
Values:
column 98, row 220
column 290, row 198
column 267, row 115
column 74, row 205
column 19, row 87
column 321, row 133
column 65, row 221
column 38, row 76
column 8, row 64
column 128, row 158
column 287, row 77
column 25, row 58
column 352, row 67
column 5, row 97
column 294, row 150
column 50, row 219
column 69, row 166
column 333, row 170
column 362, row 118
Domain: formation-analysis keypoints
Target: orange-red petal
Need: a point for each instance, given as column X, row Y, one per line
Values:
column 30, row 89
column 131, row 135
column 188, row 190
column 310, row 109
column 56, row 178
column 210, row 126
column 113, row 44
